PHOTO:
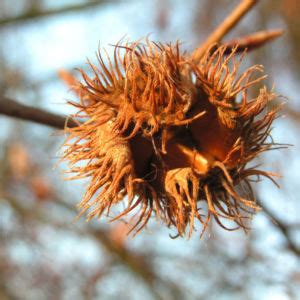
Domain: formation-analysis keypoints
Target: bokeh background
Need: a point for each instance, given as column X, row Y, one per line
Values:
column 44, row 254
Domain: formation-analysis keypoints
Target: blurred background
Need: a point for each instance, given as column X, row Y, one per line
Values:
column 44, row 254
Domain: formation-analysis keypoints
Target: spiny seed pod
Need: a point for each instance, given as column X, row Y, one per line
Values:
column 170, row 137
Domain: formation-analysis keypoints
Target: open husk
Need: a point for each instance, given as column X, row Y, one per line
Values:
column 169, row 137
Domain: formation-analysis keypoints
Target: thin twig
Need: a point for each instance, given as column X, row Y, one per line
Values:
column 15, row 109
column 252, row 41
column 224, row 27
column 249, row 42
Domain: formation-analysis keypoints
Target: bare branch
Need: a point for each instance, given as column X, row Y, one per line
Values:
column 14, row 109
column 225, row 27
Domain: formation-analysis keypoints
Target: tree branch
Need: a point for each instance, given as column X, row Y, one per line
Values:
column 14, row 109
column 224, row 28
column 36, row 14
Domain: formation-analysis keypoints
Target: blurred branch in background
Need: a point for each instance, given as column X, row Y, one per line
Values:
column 35, row 13
column 135, row 262
column 285, row 229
